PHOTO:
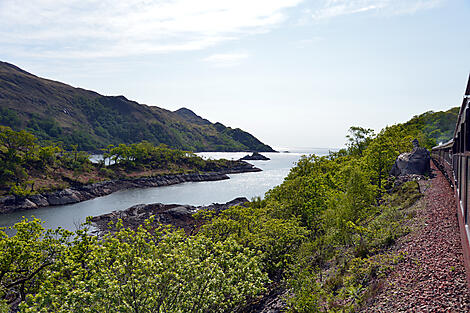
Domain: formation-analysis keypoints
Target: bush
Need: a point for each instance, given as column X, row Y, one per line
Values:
column 139, row 271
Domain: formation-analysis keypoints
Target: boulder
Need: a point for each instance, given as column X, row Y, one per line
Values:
column 181, row 212
column 65, row 196
column 39, row 200
column 26, row 204
column 415, row 162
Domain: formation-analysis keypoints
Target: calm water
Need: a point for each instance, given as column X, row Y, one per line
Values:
column 247, row 185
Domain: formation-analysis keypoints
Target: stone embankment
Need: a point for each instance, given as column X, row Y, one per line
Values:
column 87, row 192
column 177, row 215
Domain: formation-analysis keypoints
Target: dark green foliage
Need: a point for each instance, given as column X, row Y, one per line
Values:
column 44, row 128
column 79, row 138
column 245, row 138
column 9, row 118
column 437, row 126
column 146, row 155
column 114, row 123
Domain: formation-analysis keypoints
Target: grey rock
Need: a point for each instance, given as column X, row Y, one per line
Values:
column 39, row 200
column 7, row 200
column 65, row 196
column 27, row 204
column 180, row 211
column 415, row 162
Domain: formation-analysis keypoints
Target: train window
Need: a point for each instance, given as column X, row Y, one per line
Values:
column 463, row 182
column 454, row 165
column 460, row 169
column 461, row 177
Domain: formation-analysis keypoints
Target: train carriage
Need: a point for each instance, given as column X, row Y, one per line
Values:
column 453, row 158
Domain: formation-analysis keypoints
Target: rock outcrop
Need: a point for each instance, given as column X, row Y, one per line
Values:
column 254, row 157
column 87, row 192
column 415, row 162
column 177, row 215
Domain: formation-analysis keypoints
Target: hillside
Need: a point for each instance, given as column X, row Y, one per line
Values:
column 55, row 111
column 437, row 126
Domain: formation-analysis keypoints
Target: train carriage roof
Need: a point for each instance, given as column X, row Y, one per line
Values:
column 466, row 100
column 445, row 145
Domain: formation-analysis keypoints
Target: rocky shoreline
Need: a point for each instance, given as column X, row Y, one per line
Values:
column 86, row 192
column 177, row 215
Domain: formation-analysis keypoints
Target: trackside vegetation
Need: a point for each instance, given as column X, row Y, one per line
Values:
column 322, row 238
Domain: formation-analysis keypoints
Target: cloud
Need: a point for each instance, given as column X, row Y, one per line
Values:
column 226, row 59
column 308, row 42
column 119, row 28
column 327, row 9
column 114, row 28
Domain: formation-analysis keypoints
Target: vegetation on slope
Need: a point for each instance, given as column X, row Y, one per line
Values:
column 26, row 167
column 142, row 271
column 323, row 235
column 437, row 126
column 53, row 111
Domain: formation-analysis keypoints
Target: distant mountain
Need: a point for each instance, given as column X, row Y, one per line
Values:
column 59, row 112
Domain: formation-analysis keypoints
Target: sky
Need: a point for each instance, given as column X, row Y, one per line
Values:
column 293, row 73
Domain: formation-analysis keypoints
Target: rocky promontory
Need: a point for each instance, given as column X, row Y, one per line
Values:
column 177, row 215
column 86, row 192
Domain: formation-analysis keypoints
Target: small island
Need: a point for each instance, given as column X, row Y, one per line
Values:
column 255, row 156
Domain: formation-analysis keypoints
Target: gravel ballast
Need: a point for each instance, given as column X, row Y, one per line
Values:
column 432, row 277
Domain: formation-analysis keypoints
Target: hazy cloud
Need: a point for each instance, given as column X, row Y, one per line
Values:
column 326, row 9
column 116, row 28
column 111, row 28
column 307, row 42
column 226, row 59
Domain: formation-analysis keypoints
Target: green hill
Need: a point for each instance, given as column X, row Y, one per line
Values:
column 438, row 126
column 58, row 112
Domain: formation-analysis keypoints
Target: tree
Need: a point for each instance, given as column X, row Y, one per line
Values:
column 358, row 139
column 25, row 257
column 16, row 149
